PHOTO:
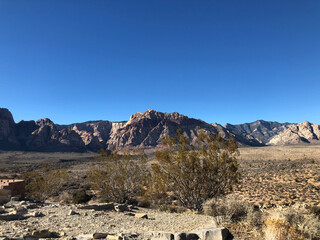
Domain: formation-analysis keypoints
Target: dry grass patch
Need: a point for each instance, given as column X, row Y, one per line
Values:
column 286, row 175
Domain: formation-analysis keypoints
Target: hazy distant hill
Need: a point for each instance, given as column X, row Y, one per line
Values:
column 146, row 129
column 261, row 130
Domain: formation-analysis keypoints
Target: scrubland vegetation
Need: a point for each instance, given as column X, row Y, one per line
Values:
column 200, row 178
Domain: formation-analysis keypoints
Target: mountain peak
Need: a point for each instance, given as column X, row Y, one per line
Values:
column 44, row 122
column 305, row 124
column 154, row 115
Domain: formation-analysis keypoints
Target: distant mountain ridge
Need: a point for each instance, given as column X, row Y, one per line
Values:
column 305, row 132
column 261, row 130
column 146, row 130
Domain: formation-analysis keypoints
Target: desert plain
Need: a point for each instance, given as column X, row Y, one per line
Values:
column 271, row 177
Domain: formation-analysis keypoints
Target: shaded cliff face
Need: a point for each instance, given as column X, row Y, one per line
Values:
column 23, row 130
column 95, row 134
column 261, row 130
column 41, row 135
column 7, row 130
column 297, row 134
column 46, row 137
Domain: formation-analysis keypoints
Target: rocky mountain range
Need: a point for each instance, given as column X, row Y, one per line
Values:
column 298, row 134
column 146, row 130
column 261, row 130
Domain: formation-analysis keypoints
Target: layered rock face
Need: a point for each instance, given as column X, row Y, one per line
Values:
column 297, row 134
column 151, row 127
column 36, row 136
column 43, row 135
column 146, row 129
column 95, row 134
column 261, row 130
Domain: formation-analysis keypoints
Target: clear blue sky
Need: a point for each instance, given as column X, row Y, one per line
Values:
column 220, row 61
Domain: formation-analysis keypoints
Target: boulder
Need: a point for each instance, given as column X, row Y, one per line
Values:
column 180, row 236
column 194, row 236
column 83, row 237
column 28, row 237
column 214, row 234
column 121, row 207
column 2, row 211
column 202, row 233
column 100, row 235
column 141, row 215
column 114, row 237
column 162, row 236
column 5, row 195
column 20, row 210
column 36, row 214
column 98, row 207
column 44, row 234
column 72, row 212
column 11, row 217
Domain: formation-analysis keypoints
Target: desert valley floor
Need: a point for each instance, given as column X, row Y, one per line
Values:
column 271, row 176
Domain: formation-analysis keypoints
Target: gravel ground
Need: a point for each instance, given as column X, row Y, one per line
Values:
column 87, row 221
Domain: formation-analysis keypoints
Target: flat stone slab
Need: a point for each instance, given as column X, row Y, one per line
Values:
column 11, row 217
column 203, row 233
column 98, row 207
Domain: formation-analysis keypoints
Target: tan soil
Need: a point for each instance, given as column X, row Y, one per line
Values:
column 56, row 219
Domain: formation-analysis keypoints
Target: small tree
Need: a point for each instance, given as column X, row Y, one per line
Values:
column 118, row 177
column 195, row 174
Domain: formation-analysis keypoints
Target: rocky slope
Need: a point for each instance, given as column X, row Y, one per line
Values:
column 94, row 134
column 151, row 127
column 146, row 129
column 261, row 130
column 297, row 134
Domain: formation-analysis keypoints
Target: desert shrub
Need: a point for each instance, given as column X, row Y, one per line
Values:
column 227, row 208
column 144, row 202
column 254, row 218
column 315, row 210
column 306, row 220
column 119, row 177
column 280, row 229
column 296, row 222
column 65, row 197
column 80, row 196
column 195, row 173
column 44, row 183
